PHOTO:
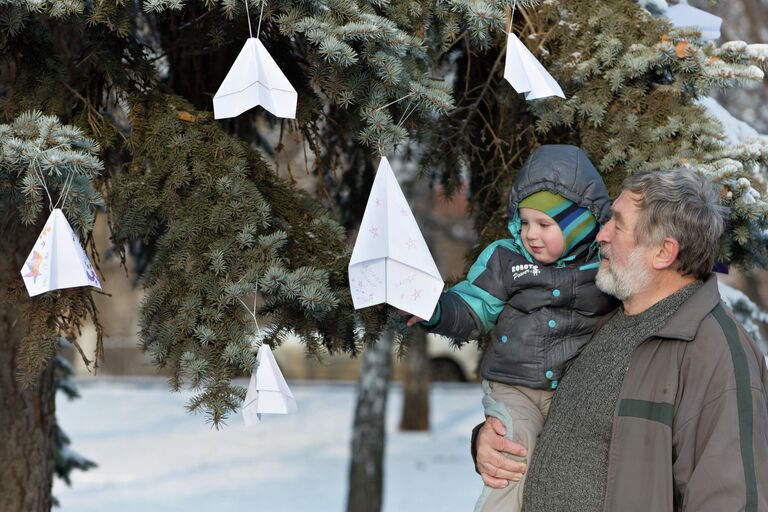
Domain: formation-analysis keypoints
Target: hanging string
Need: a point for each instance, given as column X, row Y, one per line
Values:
column 259, row 335
column 251, row 312
column 38, row 170
column 261, row 14
column 510, row 13
column 393, row 102
column 404, row 117
column 403, row 114
column 248, row 15
column 65, row 191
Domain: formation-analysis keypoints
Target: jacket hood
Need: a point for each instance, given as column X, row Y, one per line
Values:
column 564, row 170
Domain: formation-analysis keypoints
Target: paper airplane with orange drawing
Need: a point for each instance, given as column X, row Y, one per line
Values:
column 57, row 260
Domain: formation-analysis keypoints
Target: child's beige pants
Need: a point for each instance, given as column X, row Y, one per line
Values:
column 523, row 411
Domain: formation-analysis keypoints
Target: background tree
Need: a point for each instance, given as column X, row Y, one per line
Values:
column 366, row 470
column 747, row 19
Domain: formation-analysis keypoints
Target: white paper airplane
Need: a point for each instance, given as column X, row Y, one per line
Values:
column 391, row 261
column 526, row 74
column 268, row 393
column 254, row 79
column 683, row 15
column 57, row 260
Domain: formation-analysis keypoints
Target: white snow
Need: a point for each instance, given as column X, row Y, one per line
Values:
column 758, row 51
column 747, row 312
column 73, row 457
column 654, row 5
column 731, row 296
column 733, row 46
column 154, row 456
column 735, row 130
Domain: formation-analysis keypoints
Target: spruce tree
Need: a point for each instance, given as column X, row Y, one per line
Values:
column 224, row 229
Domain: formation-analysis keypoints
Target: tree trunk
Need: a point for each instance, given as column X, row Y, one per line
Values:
column 27, row 415
column 416, row 380
column 366, row 471
column 416, row 377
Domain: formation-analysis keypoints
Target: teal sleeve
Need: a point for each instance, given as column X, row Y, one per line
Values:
column 434, row 319
column 486, row 306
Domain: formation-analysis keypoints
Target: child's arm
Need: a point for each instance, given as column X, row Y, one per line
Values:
column 472, row 306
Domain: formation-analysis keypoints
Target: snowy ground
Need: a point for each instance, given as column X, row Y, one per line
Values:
column 155, row 457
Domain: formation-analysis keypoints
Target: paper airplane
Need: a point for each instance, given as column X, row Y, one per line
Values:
column 391, row 261
column 57, row 260
column 254, row 79
column 683, row 15
column 268, row 393
column 526, row 74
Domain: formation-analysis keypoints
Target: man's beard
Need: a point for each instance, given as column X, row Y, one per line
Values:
column 622, row 283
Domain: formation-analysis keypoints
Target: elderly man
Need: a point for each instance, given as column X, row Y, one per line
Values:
column 666, row 407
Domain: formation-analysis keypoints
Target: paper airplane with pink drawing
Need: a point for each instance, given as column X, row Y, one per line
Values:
column 57, row 260
column 268, row 393
column 391, row 261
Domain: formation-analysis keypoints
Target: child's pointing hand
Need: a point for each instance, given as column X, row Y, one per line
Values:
column 411, row 321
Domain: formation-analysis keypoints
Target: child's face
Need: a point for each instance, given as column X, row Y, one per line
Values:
column 542, row 237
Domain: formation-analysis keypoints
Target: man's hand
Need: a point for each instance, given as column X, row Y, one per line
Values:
column 494, row 467
column 411, row 321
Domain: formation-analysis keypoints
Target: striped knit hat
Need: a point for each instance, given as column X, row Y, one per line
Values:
column 578, row 224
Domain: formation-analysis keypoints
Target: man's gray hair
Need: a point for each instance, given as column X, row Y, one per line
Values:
column 683, row 205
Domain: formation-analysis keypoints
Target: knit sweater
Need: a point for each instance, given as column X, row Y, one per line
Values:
column 569, row 466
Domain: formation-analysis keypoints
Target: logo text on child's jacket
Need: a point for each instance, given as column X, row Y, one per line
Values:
column 522, row 270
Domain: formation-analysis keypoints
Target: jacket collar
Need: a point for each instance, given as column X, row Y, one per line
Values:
column 684, row 324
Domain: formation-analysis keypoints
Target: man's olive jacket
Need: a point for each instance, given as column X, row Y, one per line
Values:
column 690, row 430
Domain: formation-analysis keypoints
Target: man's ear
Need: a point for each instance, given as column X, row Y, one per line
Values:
column 666, row 255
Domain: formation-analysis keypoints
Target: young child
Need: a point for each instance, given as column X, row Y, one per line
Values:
column 535, row 293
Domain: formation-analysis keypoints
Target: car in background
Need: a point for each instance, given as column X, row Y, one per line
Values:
column 450, row 364
column 447, row 364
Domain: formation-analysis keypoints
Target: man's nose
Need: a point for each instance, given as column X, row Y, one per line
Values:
column 602, row 235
